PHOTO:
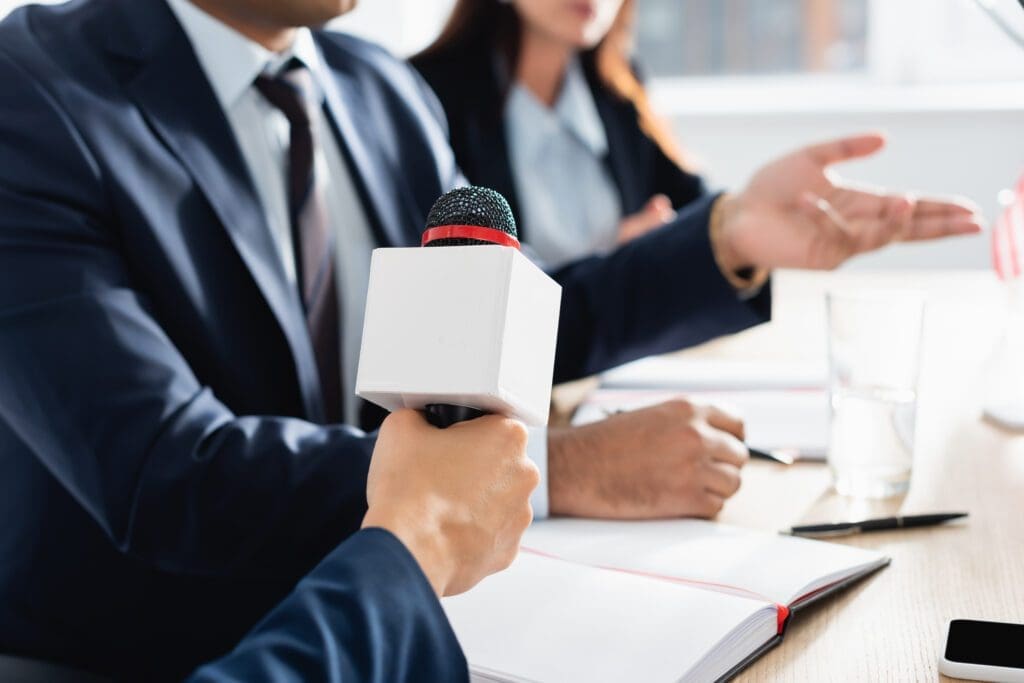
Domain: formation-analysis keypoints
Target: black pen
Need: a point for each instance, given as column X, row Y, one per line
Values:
column 781, row 457
column 880, row 524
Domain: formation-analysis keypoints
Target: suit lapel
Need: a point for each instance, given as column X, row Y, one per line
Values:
column 495, row 166
column 382, row 188
column 173, row 94
column 618, row 157
column 488, row 138
column 615, row 116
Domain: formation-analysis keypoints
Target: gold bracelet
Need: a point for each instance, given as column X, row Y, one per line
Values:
column 742, row 281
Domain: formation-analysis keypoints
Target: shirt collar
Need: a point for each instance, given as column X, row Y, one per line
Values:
column 574, row 113
column 578, row 112
column 231, row 61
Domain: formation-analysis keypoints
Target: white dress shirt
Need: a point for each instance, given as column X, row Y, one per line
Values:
column 231, row 63
column 557, row 156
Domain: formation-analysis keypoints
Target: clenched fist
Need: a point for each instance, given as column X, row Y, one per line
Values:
column 675, row 459
column 458, row 498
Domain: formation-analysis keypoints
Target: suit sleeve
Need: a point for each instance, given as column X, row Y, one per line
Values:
column 95, row 389
column 366, row 613
column 659, row 293
column 678, row 184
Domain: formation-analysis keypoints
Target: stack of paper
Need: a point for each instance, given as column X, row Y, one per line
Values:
column 784, row 406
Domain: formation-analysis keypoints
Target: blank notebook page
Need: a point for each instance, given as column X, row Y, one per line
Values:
column 549, row 620
column 780, row 568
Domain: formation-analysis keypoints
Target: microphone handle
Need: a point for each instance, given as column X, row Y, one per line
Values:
column 443, row 415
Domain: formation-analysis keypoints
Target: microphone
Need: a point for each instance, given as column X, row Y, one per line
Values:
column 467, row 216
column 465, row 330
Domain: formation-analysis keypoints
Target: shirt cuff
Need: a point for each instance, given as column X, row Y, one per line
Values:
column 537, row 451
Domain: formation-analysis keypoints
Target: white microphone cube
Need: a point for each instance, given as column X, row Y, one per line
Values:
column 473, row 326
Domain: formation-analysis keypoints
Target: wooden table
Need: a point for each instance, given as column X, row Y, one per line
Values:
column 891, row 626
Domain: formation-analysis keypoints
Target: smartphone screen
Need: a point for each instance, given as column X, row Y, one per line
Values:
column 986, row 642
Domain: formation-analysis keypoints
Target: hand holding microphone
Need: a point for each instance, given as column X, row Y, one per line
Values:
column 457, row 332
column 458, row 498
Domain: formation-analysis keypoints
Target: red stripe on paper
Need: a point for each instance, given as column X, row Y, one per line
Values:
column 782, row 611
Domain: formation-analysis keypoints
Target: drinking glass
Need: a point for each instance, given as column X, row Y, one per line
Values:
column 874, row 348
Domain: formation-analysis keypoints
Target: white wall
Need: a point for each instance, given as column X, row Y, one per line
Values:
column 420, row 22
column 974, row 153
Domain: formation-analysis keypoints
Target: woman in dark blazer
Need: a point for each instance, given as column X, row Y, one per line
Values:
column 497, row 65
column 544, row 106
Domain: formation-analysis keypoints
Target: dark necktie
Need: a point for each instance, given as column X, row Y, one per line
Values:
column 294, row 94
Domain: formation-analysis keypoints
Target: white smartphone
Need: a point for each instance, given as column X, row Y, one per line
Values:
column 984, row 651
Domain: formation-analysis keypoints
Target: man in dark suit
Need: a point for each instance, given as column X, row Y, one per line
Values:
column 171, row 456
column 171, row 460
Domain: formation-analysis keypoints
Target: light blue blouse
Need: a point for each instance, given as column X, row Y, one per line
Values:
column 569, row 203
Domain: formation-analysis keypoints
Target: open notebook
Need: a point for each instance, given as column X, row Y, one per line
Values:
column 683, row 600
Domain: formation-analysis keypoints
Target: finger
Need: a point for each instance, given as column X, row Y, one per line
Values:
column 861, row 203
column 858, row 202
column 710, row 505
column 661, row 206
column 658, row 202
column 906, row 218
column 892, row 223
column 852, row 147
column 957, row 206
column 722, row 479
column 832, row 241
column 726, row 448
column 932, row 227
column 724, row 420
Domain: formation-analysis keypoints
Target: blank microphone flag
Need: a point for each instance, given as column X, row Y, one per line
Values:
column 469, row 328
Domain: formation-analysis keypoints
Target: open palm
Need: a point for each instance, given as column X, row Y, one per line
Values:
column 796, row 213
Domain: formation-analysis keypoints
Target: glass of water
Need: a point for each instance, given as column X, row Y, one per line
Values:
column 874, row 348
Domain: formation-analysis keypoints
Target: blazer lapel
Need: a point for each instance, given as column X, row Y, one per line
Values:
column 618, row 157
column 171, row 90
column 489, row 140
column 383, row 189
column 616, row 117
column 494, row 164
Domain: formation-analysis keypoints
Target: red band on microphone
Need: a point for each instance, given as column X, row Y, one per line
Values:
column 470, row 232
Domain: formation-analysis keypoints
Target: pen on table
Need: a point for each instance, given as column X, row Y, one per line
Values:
column 781, row 457
column 880, row 524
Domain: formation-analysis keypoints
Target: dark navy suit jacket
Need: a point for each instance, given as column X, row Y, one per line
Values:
column 164, row 480
column 366, row 614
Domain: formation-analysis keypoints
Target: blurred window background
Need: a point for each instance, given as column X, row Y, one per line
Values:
column 745, row 37
column 908, row 41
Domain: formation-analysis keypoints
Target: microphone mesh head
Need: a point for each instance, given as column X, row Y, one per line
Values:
column 480, row 206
